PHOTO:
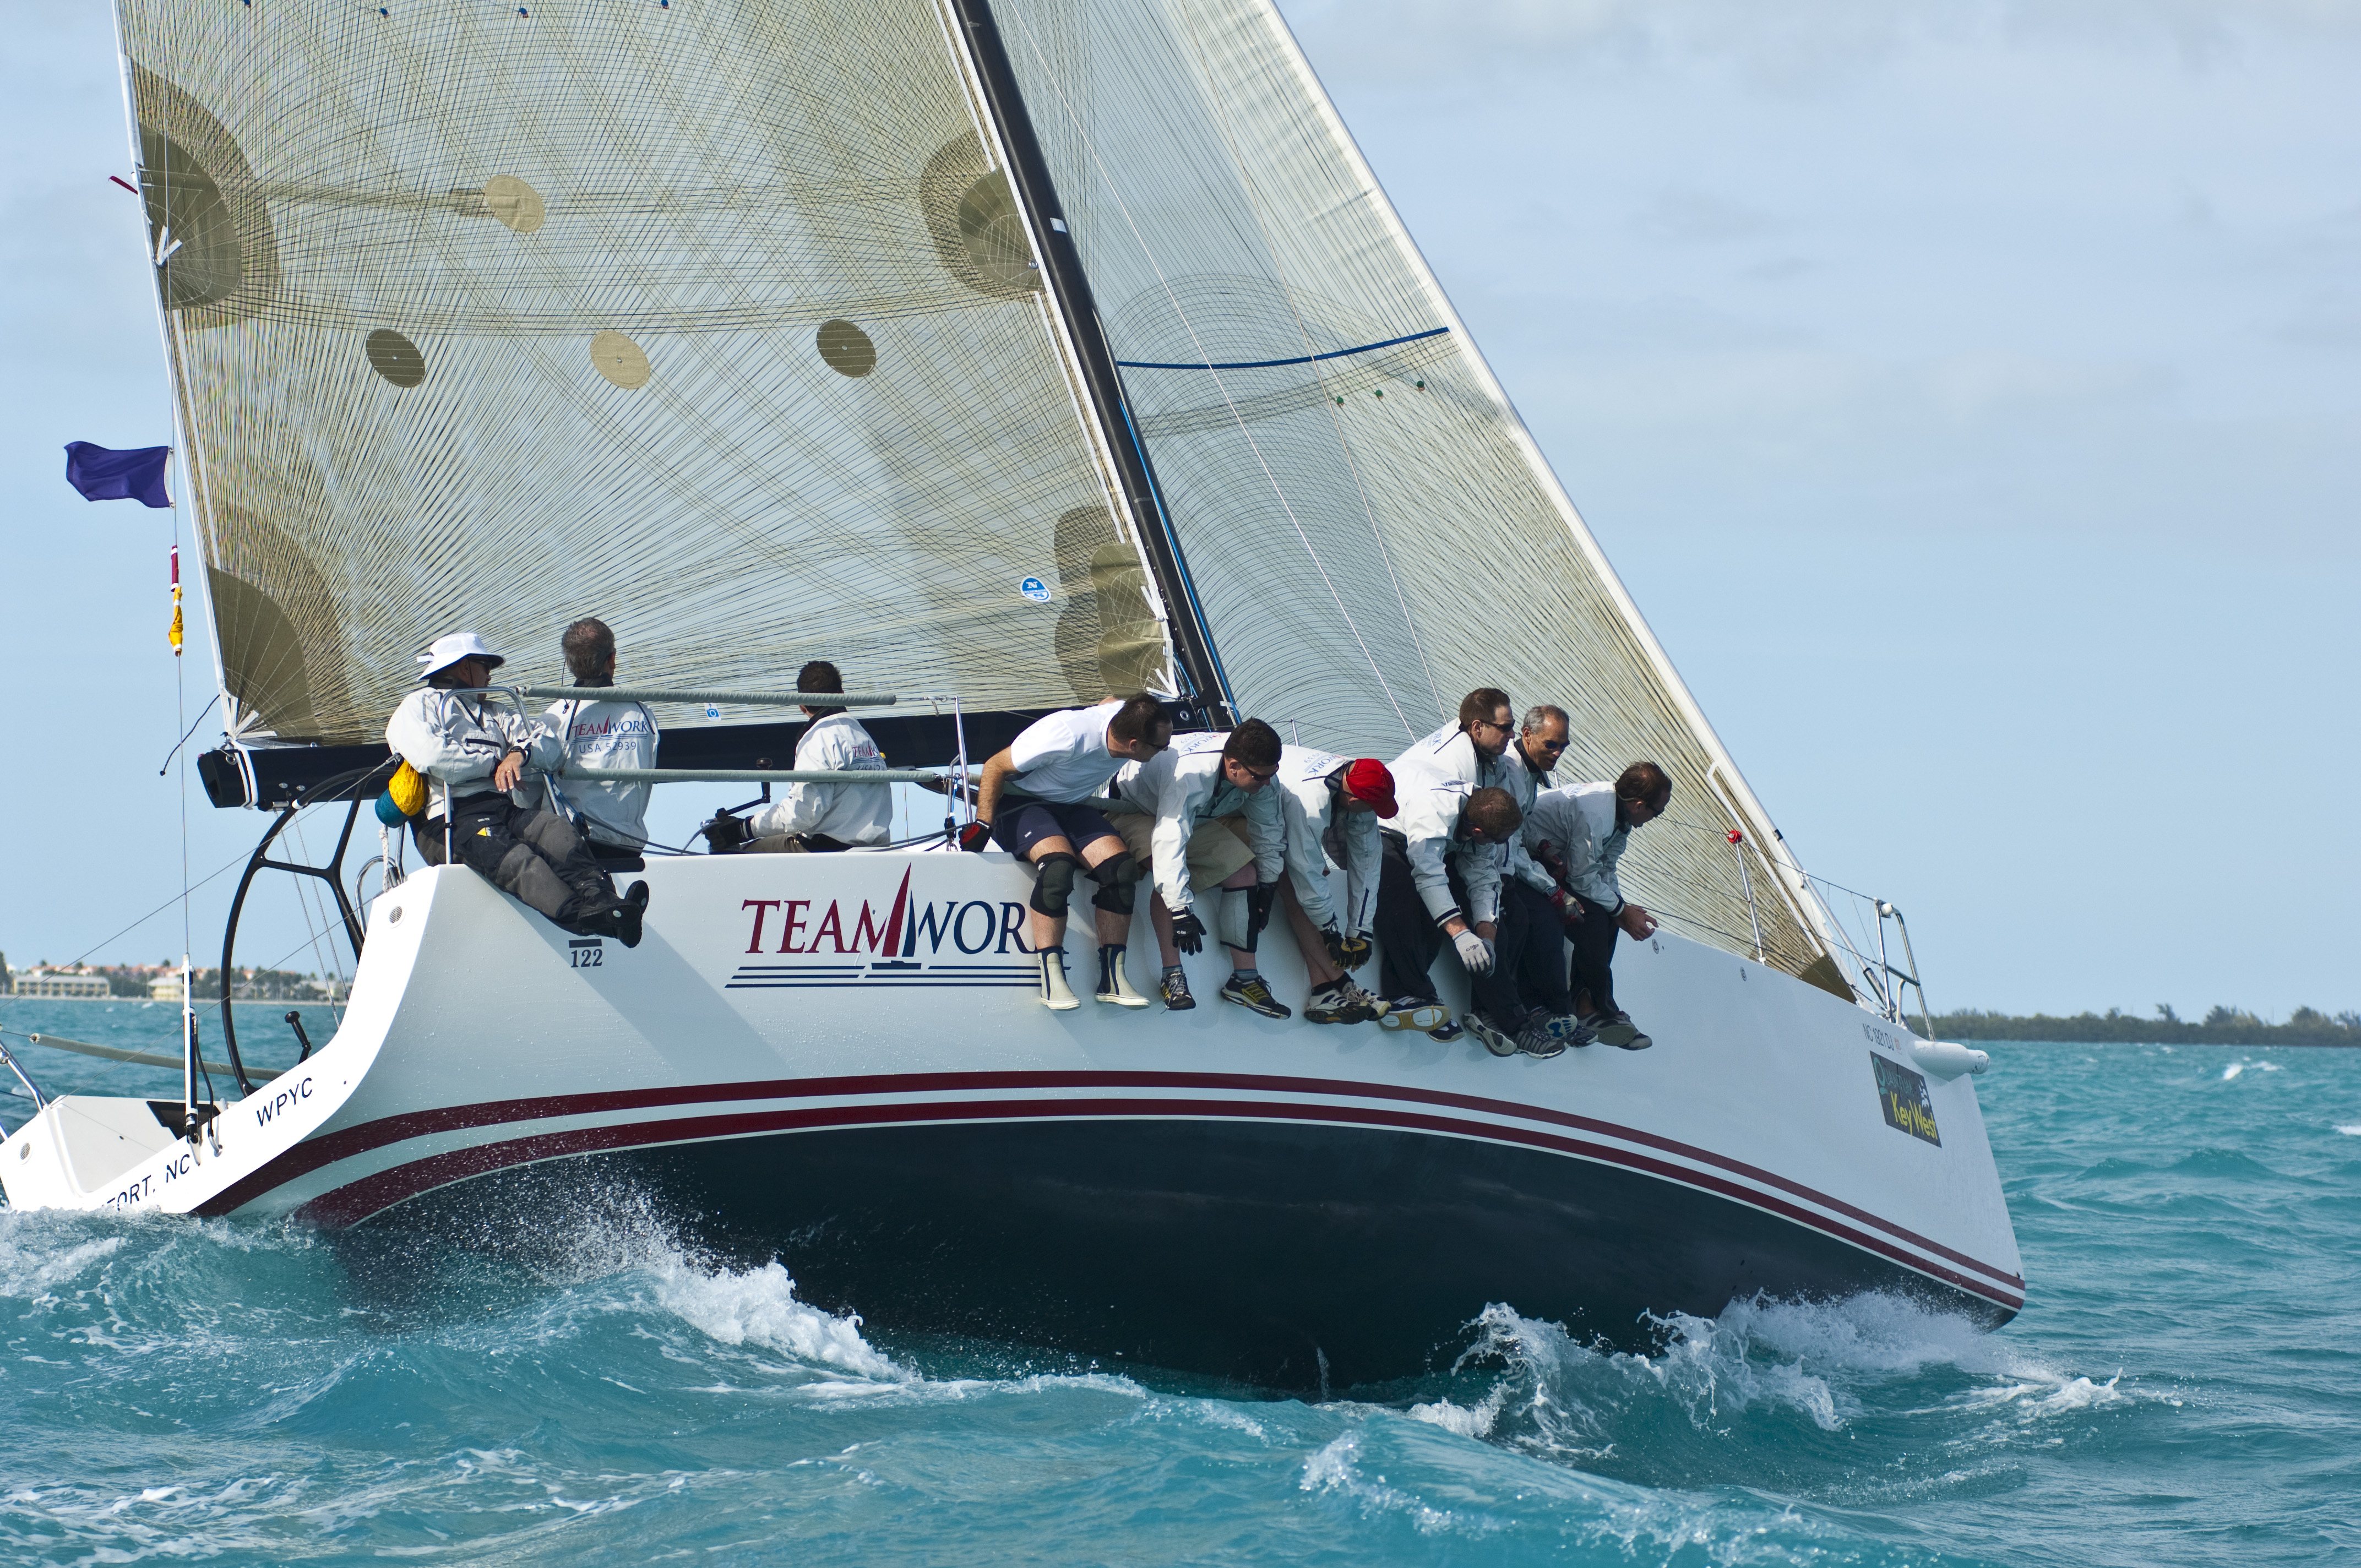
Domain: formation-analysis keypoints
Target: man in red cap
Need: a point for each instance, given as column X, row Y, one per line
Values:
column 1332, row 806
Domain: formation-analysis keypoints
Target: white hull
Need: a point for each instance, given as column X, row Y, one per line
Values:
column 479, row 1039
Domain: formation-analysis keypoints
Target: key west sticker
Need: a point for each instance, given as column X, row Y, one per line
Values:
column 901, row 942
column 1902, row 1094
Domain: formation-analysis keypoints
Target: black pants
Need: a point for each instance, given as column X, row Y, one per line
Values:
column 1407, row 935
column 1593, row 953
column 795, row 844
column 1528, row 967
column 536, row 855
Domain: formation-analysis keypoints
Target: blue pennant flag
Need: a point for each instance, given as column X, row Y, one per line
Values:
column 104, row 475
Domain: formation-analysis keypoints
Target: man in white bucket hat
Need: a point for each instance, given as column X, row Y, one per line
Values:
column 473, row 751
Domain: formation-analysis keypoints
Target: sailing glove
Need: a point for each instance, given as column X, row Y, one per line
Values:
column 1259, row 903
column 1357, row 949
column 1473, row 951
column 1189, row 932
column 724, row 833
column 1333, row 940
column 975, row 837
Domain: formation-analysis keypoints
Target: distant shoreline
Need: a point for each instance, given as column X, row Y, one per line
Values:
column 2222, row 1027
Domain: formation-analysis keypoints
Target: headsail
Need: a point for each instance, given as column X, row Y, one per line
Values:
column 1372, row 529
column 717, row 320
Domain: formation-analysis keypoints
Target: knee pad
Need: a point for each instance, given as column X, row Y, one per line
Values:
column 1230, row 923
column 1118, row 880
column 1054, row 884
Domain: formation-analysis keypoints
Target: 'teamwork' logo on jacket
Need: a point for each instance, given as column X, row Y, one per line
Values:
column 819, row 944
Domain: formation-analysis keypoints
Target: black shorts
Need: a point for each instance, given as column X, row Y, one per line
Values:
column 1021, row 827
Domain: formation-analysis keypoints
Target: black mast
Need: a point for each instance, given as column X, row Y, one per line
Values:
column 1193, row 640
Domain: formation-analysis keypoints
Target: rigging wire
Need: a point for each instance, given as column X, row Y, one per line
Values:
column 184, row 741
column 238, row 860
column 1255, row 447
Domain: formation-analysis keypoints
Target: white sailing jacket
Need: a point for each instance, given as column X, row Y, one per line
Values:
column 848, row 813
column 457, row 738
column 592, row 732
column 1322, row 834
column 1579, row 822
column 1182, row 787
column 1520, row 780
column 1432, row 782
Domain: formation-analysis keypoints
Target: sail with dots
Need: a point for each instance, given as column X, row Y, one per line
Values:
column 1025, row 349
column 718, row 321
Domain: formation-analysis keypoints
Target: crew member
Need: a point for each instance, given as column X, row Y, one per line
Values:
column 1418, row 908
column 818, row 818
column 1579, row 833
column 473, row 753
column 1033, row 801
column 1330, row 807
column 1205, row 820
column 593, row 732
column 1523, row 1004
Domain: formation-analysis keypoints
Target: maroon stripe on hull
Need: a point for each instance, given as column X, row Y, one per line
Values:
column 357, row 1200
column 316, row 1153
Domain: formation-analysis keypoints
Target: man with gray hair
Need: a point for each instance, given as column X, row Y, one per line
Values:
column 593, row 732
column 1523, row 1002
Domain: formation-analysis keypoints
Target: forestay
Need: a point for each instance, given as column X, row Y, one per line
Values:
column 1371, row 528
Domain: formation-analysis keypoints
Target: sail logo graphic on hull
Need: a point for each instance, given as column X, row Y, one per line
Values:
column 833, row 943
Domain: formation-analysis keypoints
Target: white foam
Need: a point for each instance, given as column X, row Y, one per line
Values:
column 1332, row 1469
column 2350, row 1129
column 759, row 1307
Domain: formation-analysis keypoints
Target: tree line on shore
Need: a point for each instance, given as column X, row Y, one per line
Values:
column 2221, row 1027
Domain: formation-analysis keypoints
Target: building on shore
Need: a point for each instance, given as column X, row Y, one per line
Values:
column 59, row 984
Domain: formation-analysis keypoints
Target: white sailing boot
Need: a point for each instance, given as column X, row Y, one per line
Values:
column 1114, row 986
column 1055, row 995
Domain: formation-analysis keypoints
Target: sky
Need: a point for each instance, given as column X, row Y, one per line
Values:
column 1970, row 394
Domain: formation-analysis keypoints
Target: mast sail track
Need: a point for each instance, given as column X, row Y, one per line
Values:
column 1035, row 192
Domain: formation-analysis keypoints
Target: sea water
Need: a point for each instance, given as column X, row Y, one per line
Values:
column 2184, row 1386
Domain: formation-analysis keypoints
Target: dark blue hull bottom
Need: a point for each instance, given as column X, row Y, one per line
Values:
column 1242, row 1251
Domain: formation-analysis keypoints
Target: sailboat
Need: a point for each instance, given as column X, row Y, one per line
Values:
column 1009, row 354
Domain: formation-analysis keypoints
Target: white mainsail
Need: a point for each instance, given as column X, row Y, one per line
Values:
column 716, row 320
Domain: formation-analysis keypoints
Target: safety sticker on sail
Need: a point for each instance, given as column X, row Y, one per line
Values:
column 1035, row 590
column 1902, row 1095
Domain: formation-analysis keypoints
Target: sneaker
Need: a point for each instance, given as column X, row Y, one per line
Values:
column 1535, row 1040
column 1498, row 1044
column 1115, row 985
column 1055, row 995
column 1255, row 997
column 1568, row 1030
column 1333, row 1004
column 1175, row 989
column 1447, row 1031
column 1618, row 1030
column 1366, row 1008
column 1421, row 1015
